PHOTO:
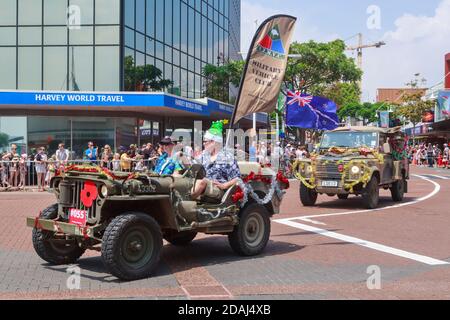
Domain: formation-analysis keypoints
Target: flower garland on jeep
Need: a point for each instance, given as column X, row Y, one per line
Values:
column 103, row 172
column 245, row 190
column 364, row 178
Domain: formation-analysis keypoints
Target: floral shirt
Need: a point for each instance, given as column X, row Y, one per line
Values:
column 224, row 169
column 167, row 166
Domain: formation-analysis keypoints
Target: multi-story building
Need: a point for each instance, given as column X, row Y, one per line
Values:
column 112, row 46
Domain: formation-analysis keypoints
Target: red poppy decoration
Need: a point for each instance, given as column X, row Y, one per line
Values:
column 89, row 194
column 282, row 179
column 238, row 195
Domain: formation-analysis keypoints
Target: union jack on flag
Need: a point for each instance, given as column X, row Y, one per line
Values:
column 302, row 100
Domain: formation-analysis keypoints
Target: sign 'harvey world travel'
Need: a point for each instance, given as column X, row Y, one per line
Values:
column 71, row 98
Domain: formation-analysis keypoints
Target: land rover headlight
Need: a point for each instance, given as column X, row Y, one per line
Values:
column 104, row 191
column 355, row 170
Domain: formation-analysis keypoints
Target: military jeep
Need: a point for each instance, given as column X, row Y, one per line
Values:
column 126, row 217
column 356, row 160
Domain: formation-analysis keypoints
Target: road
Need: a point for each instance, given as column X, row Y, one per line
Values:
column 335, row 250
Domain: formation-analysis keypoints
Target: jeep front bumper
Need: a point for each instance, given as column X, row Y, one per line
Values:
column 61, row 227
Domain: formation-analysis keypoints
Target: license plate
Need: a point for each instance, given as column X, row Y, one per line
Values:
column 78, row 217
column 330, row 184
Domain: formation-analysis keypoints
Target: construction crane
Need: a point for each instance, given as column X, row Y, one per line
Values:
column 359, row 48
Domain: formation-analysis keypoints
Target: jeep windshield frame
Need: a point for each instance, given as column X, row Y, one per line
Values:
column 350, row 139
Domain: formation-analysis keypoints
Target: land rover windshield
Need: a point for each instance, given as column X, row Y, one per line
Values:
column 348, row 139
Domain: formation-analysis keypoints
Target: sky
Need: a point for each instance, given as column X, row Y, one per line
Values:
column 417, row 34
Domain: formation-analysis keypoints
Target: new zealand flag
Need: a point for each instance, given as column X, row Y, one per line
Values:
column 310, row 112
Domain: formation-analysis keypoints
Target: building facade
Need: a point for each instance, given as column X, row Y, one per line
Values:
column 108, row 46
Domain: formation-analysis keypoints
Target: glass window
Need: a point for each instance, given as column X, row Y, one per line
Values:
column 184, row 27
column 99, row 130
column 168, row 22
column 8, row 13
column 107, row 68
column 129, row 13
column 140, row 15
column 129, row 37
column 176, row 57
column 159, row 17
column 30, row 12
column 55, row 12
column 176, row 81
column 129, row 70
column 107, row 11
column 107, row 35
column 7, row 36
column 30, row 68
column 159, row 50
column 150, row 18
column 8, row 67
column 140, row 42
column 150, row 48
column 48, row 132
column 176, row 24
column 191, row 32
column 30, row 36
column 81, row 68
column 55, row 35
column 86, row 10
column 84, row 35
column 15, row 127
column 55, row 68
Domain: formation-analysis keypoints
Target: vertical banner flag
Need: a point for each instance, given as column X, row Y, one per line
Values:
column 384, row 119
column 265, row 67
column 309, row 112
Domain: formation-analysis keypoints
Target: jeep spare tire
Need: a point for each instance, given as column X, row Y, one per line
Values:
column 371, row 194
column 251, row 235
column 308, row 196
column 132, row 245
column 52, row 248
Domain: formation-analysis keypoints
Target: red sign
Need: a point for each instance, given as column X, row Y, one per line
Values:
column 428, row 117
column 78, row 217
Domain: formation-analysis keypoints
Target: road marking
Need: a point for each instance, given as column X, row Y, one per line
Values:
column 437, row 188
column 436, row 176
column 364, row 243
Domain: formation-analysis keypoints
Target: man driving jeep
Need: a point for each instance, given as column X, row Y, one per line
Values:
column 168, row 163
column 222, row 170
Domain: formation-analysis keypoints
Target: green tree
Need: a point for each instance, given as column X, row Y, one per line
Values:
column 413, row 107
column 219, row 78
column 143, row 78
column 320, row 65
column 365, row 112
column 4, row 140
column 342, row 93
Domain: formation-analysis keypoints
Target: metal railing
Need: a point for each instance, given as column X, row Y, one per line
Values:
column 27, row 175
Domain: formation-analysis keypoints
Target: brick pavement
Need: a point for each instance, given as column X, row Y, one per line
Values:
column 296, row 264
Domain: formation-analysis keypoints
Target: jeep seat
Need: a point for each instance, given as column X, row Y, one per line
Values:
column 247, row 167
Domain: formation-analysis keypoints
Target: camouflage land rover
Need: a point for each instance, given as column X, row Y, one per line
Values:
column 126, row 216
column 356, row 160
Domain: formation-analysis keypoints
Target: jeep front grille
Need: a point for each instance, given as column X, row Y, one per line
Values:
column 328, row 171
column 76, row 187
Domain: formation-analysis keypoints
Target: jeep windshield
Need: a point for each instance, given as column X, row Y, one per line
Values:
column 349, row 140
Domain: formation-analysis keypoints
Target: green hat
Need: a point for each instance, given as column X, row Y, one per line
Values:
column 215, row 133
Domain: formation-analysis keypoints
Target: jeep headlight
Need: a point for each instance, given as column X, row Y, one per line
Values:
column 104, row 191
column 355, row 170
column 309, row 169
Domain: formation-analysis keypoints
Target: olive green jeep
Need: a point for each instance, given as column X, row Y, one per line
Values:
column 126, row 216
column 356, row 160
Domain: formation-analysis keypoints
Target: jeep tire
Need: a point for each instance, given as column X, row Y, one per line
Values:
column 132, row 245
column 371, row 194
column 343, row 196
column 398, row 190
column 308, row 196
column 53, row 250
column 251, row 235
column 180, row 238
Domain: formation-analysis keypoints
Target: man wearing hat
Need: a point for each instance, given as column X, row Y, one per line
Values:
column 168, row 163
column 222, row 170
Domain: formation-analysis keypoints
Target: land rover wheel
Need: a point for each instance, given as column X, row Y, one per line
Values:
column 180, row 238
column 343, row 196
column 251, row 235
column 132, row 245
column 52, row 248
column 398, row 190
column 308, row 196
column 371, row 194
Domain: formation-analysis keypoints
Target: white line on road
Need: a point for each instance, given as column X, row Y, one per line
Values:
column 439, row 177
column 436, row 190
column 364, row 243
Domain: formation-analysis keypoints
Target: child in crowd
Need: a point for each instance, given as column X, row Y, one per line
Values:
column 22, row 171
column 51, row 171
column 4, row 174
column 116, row 162
column 140, row 167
